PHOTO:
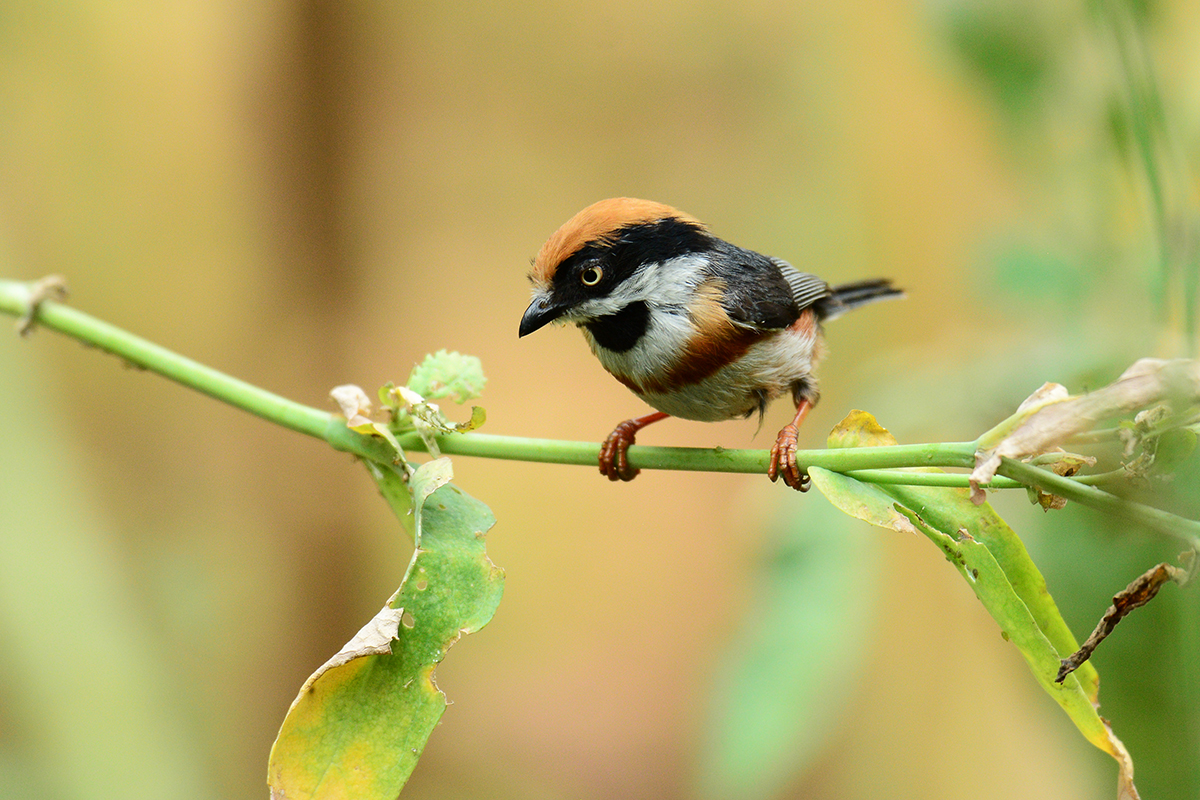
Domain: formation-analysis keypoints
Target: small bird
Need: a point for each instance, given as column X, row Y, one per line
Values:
column 695, row 326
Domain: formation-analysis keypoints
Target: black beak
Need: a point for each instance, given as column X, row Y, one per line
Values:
column 541, row 312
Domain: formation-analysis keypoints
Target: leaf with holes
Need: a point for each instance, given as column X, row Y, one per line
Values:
column 995, row 564
column 361, row 721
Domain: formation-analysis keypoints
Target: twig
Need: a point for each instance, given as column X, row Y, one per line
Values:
column 51, row 287
column 1155, row 519
column 1135, row 595
column 20, row 299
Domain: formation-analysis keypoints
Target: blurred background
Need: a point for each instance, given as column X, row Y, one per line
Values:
column 304, row 193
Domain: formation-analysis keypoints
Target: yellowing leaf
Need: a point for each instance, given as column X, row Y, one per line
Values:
column 356, row 408
column 361, row 721
column 993, row 560
column 860, row 429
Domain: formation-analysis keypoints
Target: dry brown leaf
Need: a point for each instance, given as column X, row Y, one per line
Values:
column 1050, row 416
column 354, row 404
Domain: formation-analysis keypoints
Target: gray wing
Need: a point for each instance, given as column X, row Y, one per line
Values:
column 806, row 288
column 759, row 298
column 771, row 292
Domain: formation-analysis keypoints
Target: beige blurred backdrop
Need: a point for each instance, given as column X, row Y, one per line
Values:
column 310, row 193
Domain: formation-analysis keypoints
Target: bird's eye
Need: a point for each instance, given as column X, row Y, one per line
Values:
column 591, row 276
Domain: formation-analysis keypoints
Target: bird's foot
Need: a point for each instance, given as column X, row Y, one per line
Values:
column 614, row 458
column 783, row 461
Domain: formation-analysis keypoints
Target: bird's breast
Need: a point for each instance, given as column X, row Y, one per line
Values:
column 706, row 368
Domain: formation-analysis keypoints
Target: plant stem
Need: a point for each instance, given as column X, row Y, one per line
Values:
column 869, row 464
column 16, row 298
column 952, row 480
column 703, row 459
column 1155, row 519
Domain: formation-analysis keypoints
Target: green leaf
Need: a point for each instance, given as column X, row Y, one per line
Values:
column 1010, row 48
column 361, row 721
column 448, row 374
column 441, row 374
column 994, row 562
column 1173, row 448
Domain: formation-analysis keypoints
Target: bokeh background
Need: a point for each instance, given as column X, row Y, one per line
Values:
column 305, row 193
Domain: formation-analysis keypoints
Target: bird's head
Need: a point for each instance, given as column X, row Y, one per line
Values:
column 610, row 258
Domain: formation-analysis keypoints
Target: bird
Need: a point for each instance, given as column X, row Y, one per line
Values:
column 698, row 328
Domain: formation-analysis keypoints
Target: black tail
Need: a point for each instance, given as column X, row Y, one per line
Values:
column 850, row 296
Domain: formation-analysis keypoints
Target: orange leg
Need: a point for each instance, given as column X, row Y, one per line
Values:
column 783, row 454
column 614, row 463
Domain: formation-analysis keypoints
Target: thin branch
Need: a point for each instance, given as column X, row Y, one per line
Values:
column 19, row 299
column 1141, row 591
column 1155, row 519
column 952, row 480
column 878, row 464
column 697, row 459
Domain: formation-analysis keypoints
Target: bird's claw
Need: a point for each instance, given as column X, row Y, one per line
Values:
column 783, row 461
column 614, row 458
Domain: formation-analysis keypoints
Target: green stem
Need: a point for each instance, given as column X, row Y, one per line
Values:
column 872, row 464
column 1155, row 519
column 951, row 480
column 702, row 459
column 16, row 299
